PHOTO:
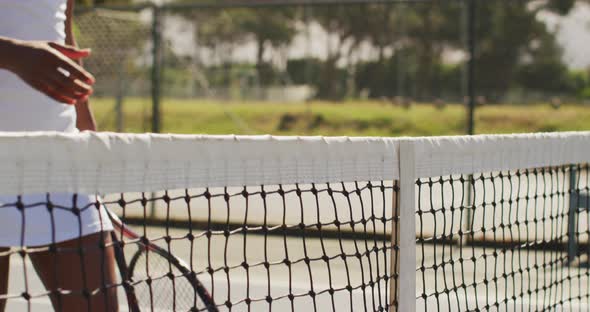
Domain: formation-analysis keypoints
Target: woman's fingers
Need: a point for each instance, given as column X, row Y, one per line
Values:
column 51, row 91
column 49, row 68
column 71, row 52
column 59, row 96
column 72, row 87
column 63, row 56
column 75, row 71
column 61, row 87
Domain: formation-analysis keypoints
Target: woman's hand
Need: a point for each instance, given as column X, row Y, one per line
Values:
column 48, row 67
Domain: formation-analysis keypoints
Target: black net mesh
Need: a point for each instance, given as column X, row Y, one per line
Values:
column 504, row 241
column 313, row 247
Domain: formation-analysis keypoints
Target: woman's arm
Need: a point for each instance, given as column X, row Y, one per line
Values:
column 8, row 52
column 38, row 63
column 85, row 120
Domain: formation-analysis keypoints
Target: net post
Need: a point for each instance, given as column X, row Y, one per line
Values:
column 405, row 237
column 572, row 220
column 469, row 209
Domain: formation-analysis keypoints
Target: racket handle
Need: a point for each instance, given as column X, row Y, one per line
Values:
column 122, row 264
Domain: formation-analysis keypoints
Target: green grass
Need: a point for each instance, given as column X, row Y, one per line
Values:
column 358, row 118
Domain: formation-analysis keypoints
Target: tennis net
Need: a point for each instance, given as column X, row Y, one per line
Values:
column 242, row 223
column 503, row 226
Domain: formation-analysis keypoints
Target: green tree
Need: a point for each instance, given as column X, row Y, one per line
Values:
column 430, row 30
column 347, row 27
column 102, row 2
column 514, row 45
column 269, row 28
column 224, row 29
column 543, row 69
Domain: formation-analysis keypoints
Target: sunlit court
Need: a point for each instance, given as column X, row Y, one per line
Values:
column 294, row 155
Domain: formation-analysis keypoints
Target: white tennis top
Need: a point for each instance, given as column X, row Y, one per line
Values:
column 21, row 107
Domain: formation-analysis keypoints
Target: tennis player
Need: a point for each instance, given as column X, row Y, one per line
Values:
column 44, row 88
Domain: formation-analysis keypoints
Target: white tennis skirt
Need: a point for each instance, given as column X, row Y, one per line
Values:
column 37, row 220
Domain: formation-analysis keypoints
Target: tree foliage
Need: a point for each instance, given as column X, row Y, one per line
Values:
column 412, row 44
column 102, row 2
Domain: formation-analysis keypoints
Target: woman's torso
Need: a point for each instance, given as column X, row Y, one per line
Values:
column 21, row 107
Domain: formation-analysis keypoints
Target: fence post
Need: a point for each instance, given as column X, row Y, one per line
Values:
column 156, row 68
column 120, row 118
column 471, row 98
column 399, row 55
column 156, row 91
column 471, row 19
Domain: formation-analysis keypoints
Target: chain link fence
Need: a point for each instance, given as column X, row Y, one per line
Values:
column 122, row 45
column 399, row 53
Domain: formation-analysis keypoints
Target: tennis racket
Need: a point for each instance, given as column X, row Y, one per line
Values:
column 154, row 279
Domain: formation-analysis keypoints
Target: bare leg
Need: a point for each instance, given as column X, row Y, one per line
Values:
column 90, row 271
column 4, row 269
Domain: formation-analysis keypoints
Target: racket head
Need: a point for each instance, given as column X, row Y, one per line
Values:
column 163, row 282
column 155, row 279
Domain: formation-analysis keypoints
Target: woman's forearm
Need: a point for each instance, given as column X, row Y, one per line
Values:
column 8, row 51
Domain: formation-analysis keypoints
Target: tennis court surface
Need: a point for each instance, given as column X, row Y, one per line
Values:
column 482, row 223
